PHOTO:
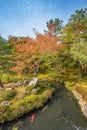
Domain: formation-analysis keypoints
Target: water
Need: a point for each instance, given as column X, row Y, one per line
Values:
column 62, row 113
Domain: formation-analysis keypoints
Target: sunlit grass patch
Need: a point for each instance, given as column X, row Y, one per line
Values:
column 81, row 87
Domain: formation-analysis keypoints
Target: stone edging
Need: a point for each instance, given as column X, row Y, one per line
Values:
column 81, row 102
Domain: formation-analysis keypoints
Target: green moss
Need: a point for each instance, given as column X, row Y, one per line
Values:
column 82, row 89
column 23, row 106
column 14, row 128
column 42, row 86
column 28, row 89
column 8, row 95
column 70, row 85
column 48, row 93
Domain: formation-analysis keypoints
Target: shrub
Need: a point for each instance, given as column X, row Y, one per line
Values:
column 43, row 86
column 6, row 113
column 9, row 94
column 48, row 93
column 6, row 78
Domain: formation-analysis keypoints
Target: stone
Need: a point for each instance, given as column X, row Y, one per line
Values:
column 16, row 84
column 33, row 82
column 8, row 89
column 5, row 103
column 82, row 103
column 26, row 81
column 34, row 91
column 44, row 109
column 85, row 109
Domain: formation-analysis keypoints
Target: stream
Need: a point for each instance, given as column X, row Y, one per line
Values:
column 62, row 112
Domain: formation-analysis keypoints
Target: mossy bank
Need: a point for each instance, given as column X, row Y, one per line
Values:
column 79, row 90
column 19, row 101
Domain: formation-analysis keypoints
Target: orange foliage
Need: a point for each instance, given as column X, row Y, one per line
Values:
column 18, row 67
column 27, row 49
column 46, row 43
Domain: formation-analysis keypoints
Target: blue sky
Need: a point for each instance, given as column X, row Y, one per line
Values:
column 19, row 17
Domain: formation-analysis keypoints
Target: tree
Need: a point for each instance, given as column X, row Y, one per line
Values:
column 76, row 29
column 29, row 52
column 79, row 55
column 54, row 26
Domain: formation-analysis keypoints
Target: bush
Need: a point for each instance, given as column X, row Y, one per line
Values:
column 48, row 93
column 6, row 113
column 6, row 78
column 43, row 85
column 9, row 94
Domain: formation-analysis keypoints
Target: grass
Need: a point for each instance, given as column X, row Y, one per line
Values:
column 81, row 87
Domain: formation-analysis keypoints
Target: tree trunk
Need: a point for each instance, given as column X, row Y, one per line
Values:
column 1, row 84
column 36, row 70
